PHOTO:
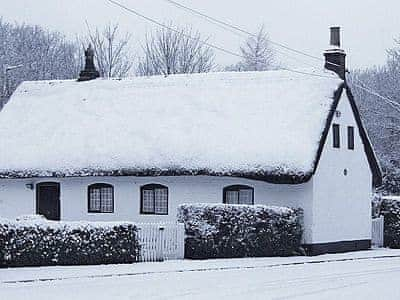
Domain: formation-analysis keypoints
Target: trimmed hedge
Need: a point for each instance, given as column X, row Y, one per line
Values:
column 227, row 231
column 45, row 243
column 390, row 209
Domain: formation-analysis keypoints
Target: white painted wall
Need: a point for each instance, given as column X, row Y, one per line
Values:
column 342, row 204
column 16, row 199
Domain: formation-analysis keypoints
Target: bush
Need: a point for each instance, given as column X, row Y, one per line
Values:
column 390, row 209
column 45, row 243
column 224, row 231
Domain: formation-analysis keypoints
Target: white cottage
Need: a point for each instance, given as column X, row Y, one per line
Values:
column 134, row 149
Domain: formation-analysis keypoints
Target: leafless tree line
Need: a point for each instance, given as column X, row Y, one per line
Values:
column 32, row 53
column 381, row 118
column 40, row 54
column 257, row 53
column 111, row 49
column 175, row 51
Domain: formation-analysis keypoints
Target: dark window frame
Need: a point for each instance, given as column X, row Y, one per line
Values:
column 99, row 186
column 153, row 187
column 237, row 188
column 350, row 137
column 336, row 135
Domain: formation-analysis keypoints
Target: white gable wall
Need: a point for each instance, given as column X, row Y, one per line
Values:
column 16, row 199
column 342, row 204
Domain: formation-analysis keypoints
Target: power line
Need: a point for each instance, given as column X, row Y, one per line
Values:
column 173, row 29
column 204, row 42
column 235, row 27
column 392, row 103
column 389, row 101
column 231, row 28
column 208, row 18
column 296, row 59
column 307, row 73
column 364, row 87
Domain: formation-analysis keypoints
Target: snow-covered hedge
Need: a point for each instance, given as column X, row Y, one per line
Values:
column 219, row 230
column 390, row 209
column 33, row 242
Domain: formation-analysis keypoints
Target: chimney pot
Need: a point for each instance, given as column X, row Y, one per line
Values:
column 335, row 57
column 89, row 72
column 335, row 36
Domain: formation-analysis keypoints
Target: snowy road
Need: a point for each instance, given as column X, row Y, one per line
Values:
column 358, row 279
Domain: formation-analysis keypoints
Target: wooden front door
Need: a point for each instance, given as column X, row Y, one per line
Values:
column 48, row 200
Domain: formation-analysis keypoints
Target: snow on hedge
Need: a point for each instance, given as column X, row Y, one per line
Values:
column 221, row 230
column 221, row 122
column 33, row 241
column 390, row 209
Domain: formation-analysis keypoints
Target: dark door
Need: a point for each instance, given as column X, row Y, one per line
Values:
column 48, row 200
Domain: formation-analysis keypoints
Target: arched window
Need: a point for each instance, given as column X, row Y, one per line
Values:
column 101, row 198
column 154, row 199
column 239, row 194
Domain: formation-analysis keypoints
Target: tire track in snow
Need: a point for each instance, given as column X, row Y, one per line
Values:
column 283, row 284
column 205, row 269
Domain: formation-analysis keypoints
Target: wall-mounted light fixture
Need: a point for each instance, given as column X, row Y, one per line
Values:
column 29, row 186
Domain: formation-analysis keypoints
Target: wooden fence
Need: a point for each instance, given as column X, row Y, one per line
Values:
column 377, row 232
column 161, row 241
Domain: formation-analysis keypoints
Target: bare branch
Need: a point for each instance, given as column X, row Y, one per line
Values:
column 170, row 52
column 111, row 49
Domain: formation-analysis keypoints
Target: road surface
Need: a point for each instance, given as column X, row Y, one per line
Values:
column 377, row 278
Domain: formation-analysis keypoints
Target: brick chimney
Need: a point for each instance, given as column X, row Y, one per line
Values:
column 90, row 71
column 335, row 57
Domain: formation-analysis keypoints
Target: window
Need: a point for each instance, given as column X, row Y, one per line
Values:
column 101, row 198
column 350, row 137
column 239, row 194
column 336, row 135
column 154, row 199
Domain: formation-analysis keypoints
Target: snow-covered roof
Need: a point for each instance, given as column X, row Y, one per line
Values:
column 241, row 124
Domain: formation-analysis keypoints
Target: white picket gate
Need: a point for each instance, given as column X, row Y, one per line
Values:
column 377, row 232
column 161, row 241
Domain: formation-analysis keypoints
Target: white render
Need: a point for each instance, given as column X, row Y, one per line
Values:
column 342, row 203
column 181, row 189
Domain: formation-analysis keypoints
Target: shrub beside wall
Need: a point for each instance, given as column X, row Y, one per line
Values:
column 219, row 230
column 390, row 209
column 45, row 243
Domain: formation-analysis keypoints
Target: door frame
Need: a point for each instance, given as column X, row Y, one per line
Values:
column 52, row 183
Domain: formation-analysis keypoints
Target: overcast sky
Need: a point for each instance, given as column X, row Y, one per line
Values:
column 369, row 26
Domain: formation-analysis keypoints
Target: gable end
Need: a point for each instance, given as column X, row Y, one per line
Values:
column 368, row 149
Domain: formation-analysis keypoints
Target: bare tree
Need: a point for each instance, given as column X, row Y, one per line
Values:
column 381, row 114
column 111, row 49
column 171, row 52
column 257, row 54
column 33, row 53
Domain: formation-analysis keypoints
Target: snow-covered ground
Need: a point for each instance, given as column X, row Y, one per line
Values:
column 360, row 275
